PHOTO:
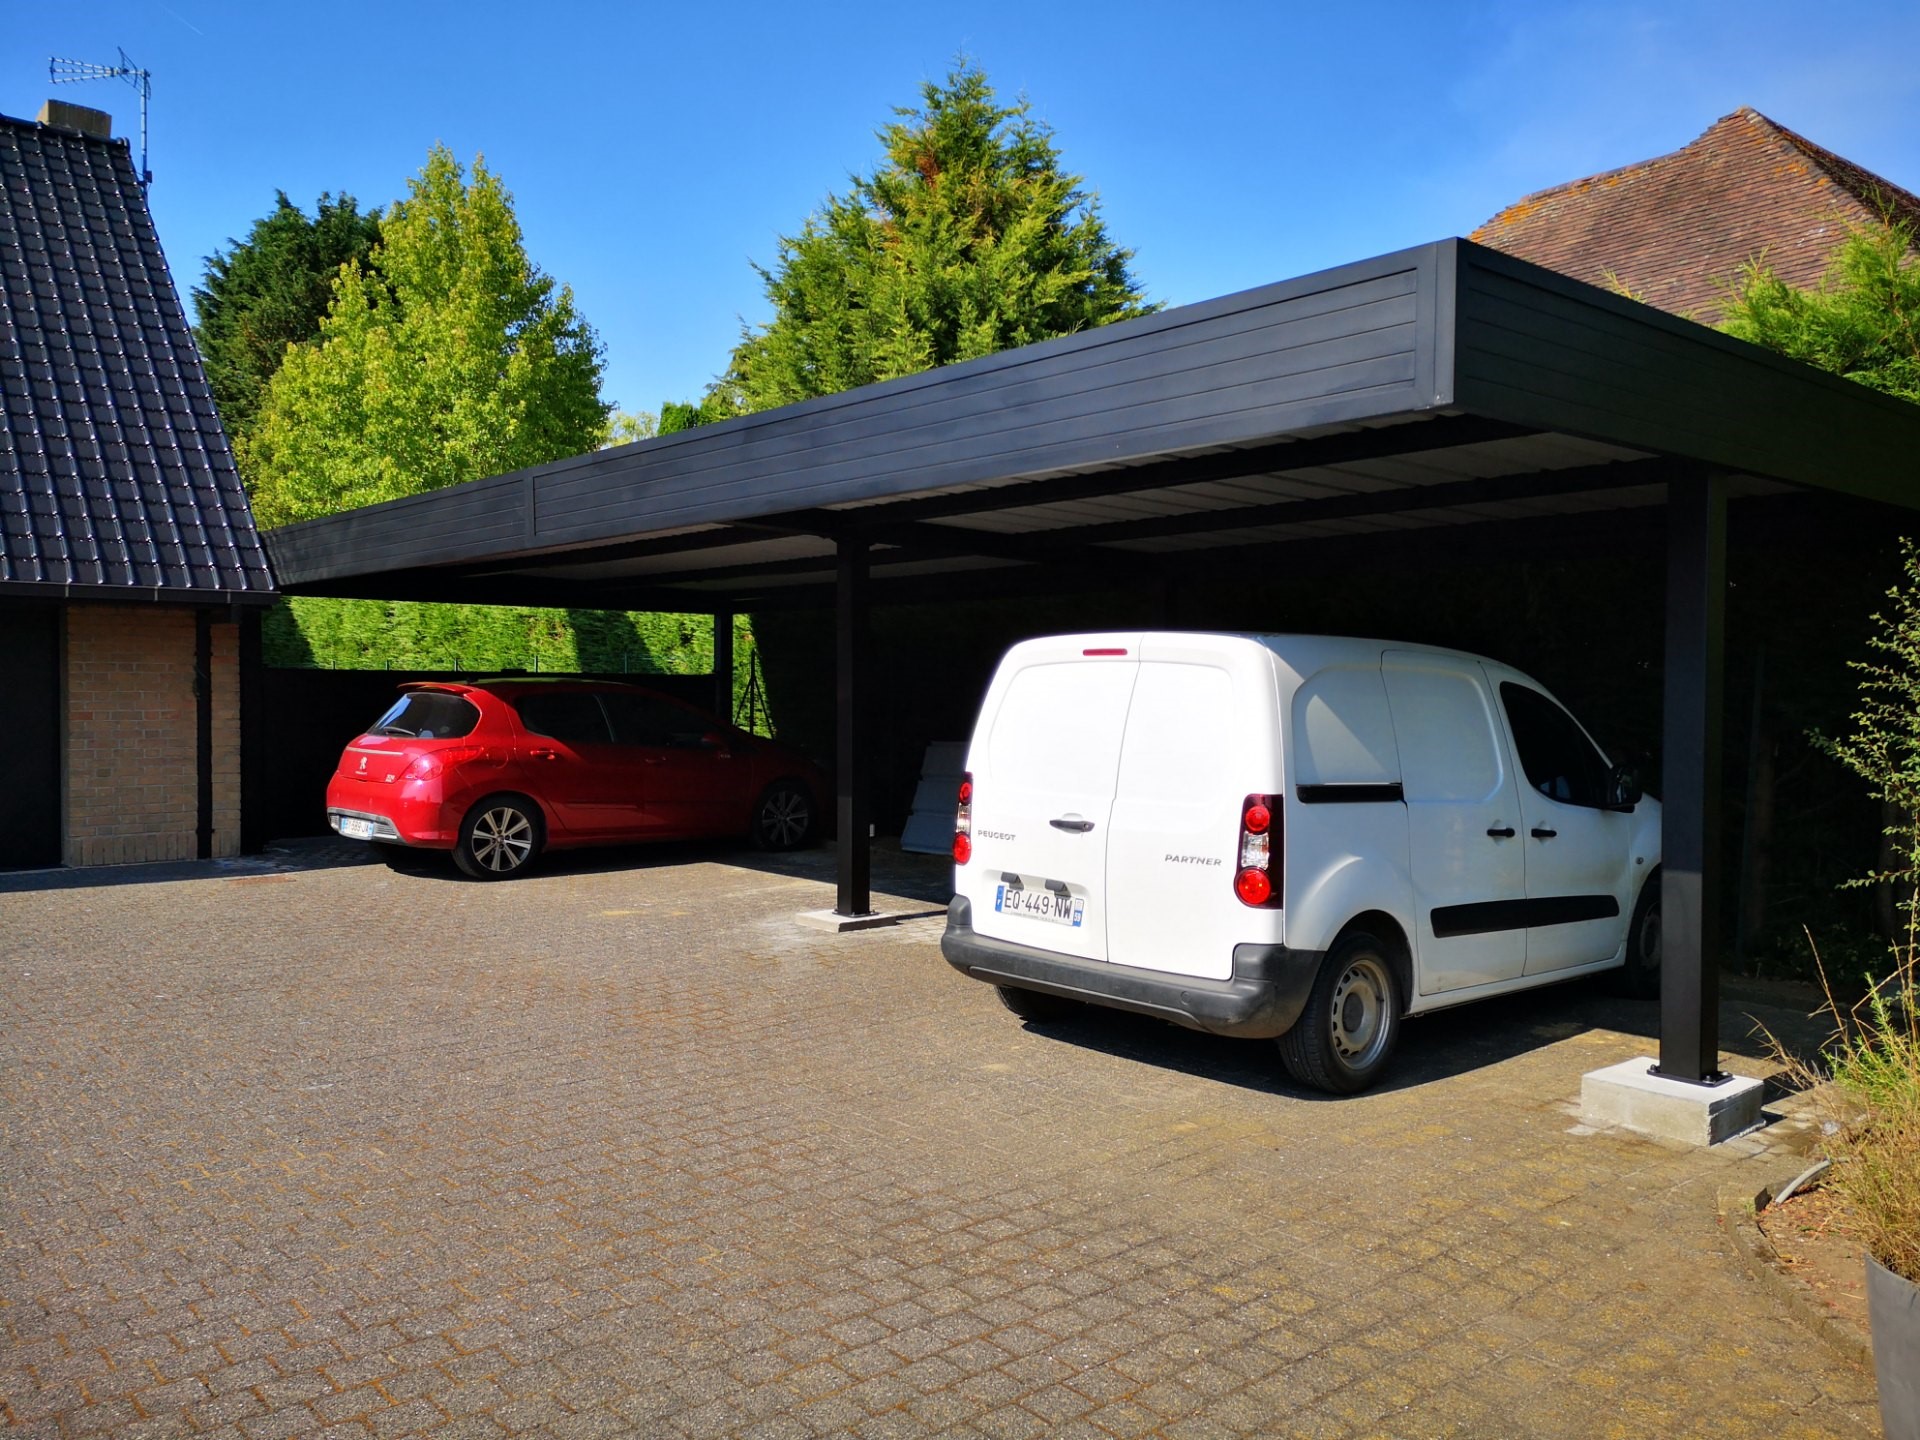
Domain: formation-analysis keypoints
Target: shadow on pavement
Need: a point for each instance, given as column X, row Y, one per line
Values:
column 1433, row 1047
column 911, row 877
column 1446, row 1043
column 281, row 858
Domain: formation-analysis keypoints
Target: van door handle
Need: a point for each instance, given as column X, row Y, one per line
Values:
column 1077, row 827
column 1502, row 833
column 543, row 754
column 1540, row 832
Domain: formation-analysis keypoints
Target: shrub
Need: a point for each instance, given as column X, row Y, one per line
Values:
column 1875, row 1057
column 1874, row 1129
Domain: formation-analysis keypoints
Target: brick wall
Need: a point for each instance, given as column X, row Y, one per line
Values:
column 226, row 739
column 132, row 778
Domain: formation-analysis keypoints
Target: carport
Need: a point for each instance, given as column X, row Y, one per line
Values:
column 1446, row 394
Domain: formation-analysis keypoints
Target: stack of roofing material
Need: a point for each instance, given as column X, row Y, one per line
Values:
column 929, row 828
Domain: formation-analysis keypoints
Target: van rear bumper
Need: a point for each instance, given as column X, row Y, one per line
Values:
column 1263, row 998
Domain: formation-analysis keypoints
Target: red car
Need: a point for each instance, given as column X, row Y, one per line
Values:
column 499, row 770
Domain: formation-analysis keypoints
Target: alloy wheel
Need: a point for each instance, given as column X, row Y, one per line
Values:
column 785, row 817
column 502, row 839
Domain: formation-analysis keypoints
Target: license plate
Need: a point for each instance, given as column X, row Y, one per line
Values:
column 356, row 829
column 1051, row 905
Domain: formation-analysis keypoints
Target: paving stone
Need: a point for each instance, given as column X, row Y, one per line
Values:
column 472, row 1427
column 226, row 1409
column 595, row 1424
column 519, row 1416
column 413, row 1418
column 153, row 1427
column 618, row 1149
column 281, row 1424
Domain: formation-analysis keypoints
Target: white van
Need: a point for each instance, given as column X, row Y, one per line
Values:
column 1297, row 836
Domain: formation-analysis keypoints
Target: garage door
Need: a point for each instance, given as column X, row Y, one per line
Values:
column 30, row 735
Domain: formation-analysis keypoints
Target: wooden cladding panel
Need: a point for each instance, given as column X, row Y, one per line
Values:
column 1541, row 350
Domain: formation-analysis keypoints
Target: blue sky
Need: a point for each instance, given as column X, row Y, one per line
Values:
column 654, row 151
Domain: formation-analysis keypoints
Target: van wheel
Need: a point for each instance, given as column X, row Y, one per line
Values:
column 1343, row 1039
column 1641, row 977
column 1035, row 1005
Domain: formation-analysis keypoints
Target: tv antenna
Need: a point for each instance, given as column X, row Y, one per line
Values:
column 71, row 72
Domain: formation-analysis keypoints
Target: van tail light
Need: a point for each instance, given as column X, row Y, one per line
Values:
column 1257, row 874
column 963, row 822
column 437, row 762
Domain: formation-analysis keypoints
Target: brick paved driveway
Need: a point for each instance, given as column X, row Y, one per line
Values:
column 621, row 1150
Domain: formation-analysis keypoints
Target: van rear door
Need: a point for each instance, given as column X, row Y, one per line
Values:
column 1044, row 759
column 1202, row 734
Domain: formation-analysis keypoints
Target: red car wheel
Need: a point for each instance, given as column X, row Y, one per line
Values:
column 783, row 817
column 499, row 838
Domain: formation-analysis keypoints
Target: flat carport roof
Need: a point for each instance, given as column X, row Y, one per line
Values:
column 1353, row 411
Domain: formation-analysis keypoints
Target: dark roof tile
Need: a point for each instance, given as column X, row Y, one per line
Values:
column 114, row 470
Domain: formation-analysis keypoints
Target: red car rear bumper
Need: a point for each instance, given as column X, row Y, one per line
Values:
column 413, row 812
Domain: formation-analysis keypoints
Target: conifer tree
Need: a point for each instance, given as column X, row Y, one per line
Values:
column 1863, row 321
column 967, row 238
column 271, row 290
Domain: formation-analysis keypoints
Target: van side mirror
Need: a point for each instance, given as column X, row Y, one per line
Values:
column 1623, row 788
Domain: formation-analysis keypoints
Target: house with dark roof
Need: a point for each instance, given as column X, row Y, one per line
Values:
column 1675, row 231
column 128, row 556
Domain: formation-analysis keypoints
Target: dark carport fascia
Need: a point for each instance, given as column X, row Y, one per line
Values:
column 1353, row 346
column 1432, row 348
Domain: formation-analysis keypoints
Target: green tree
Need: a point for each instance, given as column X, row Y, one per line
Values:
column 966, row 239
column 1863, row 321
column 626, row 426
column 269, row 291
column 449, row 357
column 678, row 415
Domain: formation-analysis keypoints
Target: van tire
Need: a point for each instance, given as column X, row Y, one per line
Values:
column 1640, row 978
column 1036, row 1006
column 1346, row 1035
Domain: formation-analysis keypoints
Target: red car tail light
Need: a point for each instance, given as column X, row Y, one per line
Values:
column 437, row 762
column 963, row 822
column 1260, row 852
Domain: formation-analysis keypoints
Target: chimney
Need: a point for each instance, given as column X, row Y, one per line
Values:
column 58, row 113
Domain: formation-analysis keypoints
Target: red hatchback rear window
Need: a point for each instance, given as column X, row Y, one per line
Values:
column 428, row 715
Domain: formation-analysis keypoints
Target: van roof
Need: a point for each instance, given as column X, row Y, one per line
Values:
column 1301, row 653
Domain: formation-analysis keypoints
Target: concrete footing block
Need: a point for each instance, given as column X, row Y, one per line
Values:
column 836, row 923
column 1628, row 1096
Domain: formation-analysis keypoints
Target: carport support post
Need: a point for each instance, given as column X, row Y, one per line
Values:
column 850, row 706
column 723, row 664
column 1690, row 841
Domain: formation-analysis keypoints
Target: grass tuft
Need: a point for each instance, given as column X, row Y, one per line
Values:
column 1873, row 1120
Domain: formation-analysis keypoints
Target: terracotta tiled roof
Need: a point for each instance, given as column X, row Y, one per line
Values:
column 115, row 475
column 1676, row 230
